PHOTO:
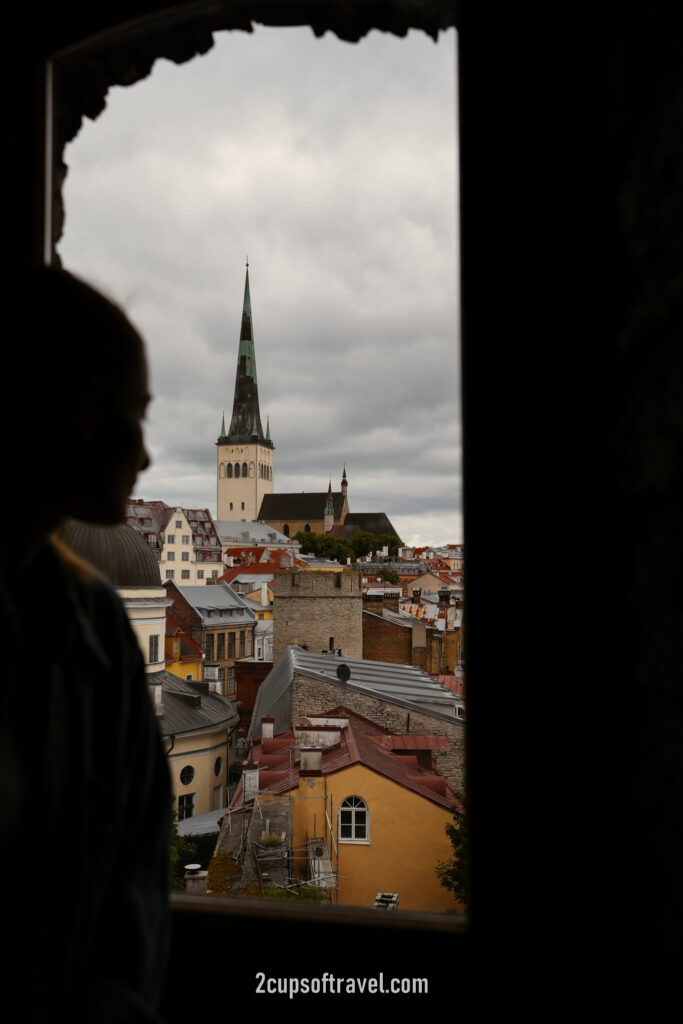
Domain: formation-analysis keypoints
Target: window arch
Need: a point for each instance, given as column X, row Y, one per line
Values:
column 221, row 470
column 228, row 470
column 307, row 528
column 285, row 529
column 354, row 820
column 237, row 469
column 245, row 471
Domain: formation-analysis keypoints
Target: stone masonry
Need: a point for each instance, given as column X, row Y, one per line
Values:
column 318, row 610
column 315, row 697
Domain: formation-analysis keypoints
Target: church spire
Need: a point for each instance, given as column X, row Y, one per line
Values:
column 245, row 425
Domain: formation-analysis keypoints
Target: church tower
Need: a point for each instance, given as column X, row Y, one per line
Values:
column 245, row 453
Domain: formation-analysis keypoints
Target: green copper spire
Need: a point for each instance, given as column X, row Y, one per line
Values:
column 329, row 504
column 221, row 436
column 268, row 428
column 245, row 424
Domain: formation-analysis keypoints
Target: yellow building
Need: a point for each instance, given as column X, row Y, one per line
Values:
column 367, row 809
column 184, row 657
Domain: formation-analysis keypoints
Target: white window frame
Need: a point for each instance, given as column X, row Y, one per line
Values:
column 346, row 806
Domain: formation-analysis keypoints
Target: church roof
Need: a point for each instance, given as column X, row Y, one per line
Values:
column 372, row 522
column 119, row 552
column 300, row 505
column 245, row 424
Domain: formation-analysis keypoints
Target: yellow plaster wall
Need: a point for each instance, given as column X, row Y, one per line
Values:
column 407, row 838
column 201, row 752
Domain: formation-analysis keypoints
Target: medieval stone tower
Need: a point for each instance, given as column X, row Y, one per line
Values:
column 245, row 454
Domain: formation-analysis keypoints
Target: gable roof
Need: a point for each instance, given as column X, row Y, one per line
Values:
column 300, row 505
column 212, row 602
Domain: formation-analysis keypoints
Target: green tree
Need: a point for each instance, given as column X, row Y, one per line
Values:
column 182, row 851
column 453, row 873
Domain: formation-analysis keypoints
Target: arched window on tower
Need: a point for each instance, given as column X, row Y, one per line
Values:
column 251, row 469
column 221, row 470
column 285, row 529
column 245, row 471
column 237, row 469
column 229, row 470
column 307, row 528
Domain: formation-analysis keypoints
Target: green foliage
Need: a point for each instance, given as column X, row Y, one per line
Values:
column 302, row 893
column 183, row 850
column 339, row 549
column 453, row 873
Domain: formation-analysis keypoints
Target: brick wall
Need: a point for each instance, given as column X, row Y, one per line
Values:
column 310, row 607
column 315, row 697
column 384, row 640
column 248, row 677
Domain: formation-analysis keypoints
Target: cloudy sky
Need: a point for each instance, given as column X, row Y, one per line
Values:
column 334, row 168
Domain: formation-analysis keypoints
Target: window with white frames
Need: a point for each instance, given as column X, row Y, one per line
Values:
column 354, row 821
column 169, row 574
column 178, row 524
column 171, row 538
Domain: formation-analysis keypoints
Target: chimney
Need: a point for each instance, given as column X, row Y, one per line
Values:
column 311, row 761
column 264, row 594
column 250, row 770
column 416, row 594
column 267, row 724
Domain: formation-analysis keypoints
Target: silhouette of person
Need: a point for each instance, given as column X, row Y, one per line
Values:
column 85, row 787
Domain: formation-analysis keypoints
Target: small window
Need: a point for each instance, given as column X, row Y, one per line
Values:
column 170, row 555
column 231, row 506
column 214, row 574
column 178, row 524
column 200, row 574
column 220, row 647
column 218, row 766
column 187, row 775
column 185, row 556
column 185, row 574
column 285, row 529
column 170, row 539
column 153, row 648
column 185, row 806
column 228, row 470
column 186, row 538
column 243, row 506
column 354, row 821
column 307, row 528
column 169, row 574
column 237, row 469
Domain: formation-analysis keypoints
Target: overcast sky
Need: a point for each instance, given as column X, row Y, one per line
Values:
column 334, row 167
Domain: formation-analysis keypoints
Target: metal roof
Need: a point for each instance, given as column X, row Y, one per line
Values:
column 405, row 685
column 215, row 597
column 361, row 741
column 202, row 824
column 180, row 716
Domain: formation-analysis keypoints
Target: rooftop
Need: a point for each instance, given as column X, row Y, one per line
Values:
column 404, row 685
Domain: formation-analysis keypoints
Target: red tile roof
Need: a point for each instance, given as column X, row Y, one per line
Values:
column 360, row 742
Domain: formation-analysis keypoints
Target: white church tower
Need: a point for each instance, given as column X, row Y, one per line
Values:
column 244, row 453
